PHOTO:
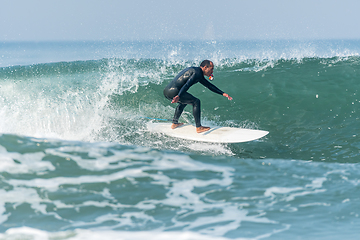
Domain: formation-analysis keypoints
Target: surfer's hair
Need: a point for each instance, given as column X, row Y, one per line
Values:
column 205, row 63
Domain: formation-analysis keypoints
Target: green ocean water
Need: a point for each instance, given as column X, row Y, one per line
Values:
column 77, row 161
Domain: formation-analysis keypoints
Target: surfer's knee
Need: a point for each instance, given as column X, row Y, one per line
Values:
column 197, row 102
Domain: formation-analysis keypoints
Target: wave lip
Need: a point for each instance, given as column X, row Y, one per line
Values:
column 30, row 53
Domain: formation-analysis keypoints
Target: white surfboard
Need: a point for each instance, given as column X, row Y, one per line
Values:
column 215, row 134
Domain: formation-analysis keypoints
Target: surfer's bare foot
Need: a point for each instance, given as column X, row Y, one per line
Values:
column 175, row 125
column 202, row 129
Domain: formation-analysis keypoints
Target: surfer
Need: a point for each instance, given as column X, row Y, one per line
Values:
column 176, row 91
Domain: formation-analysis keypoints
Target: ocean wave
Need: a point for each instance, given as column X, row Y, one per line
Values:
column 306, row 103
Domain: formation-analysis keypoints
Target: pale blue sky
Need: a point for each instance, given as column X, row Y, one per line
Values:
column 48, row 20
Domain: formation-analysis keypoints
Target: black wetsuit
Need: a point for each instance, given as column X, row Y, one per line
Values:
column 179, row 86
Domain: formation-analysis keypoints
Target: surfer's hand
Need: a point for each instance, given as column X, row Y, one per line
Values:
column 175, row 99
column 227, row 95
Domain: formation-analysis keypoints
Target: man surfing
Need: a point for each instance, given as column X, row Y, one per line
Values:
column 176, row 91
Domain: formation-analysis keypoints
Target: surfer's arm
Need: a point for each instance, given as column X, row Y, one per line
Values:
column 211, row 86
column 188, row 84
column 190, row 80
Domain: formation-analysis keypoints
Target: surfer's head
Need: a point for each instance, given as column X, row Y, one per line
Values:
column 207, row 67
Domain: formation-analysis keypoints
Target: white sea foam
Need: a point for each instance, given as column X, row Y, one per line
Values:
column 82, row 234
column 180, row 193
column 13, row 162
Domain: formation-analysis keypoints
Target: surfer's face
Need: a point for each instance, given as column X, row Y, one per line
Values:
column 208, row 70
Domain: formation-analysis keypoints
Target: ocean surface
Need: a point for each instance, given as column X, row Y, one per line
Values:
column 77, row 161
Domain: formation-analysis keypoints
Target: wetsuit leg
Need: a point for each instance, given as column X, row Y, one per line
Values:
column 187, row 98
column 178, row 111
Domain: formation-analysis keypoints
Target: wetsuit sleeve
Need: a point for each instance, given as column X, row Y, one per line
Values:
column 188, row 84
column 211, row 86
